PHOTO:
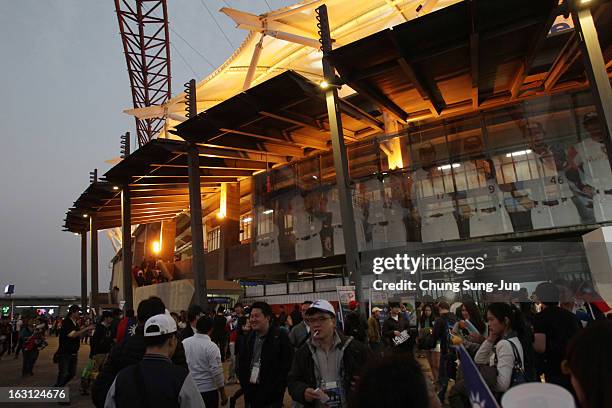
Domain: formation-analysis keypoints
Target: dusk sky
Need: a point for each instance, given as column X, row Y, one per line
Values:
column 64, row 85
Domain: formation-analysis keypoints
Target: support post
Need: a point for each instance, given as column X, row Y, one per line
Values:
column 83, row 270
column 195, row 207
column 353, row 262
column 126, row 242
column 197, row 236
column 595, row 68
column 93, row 231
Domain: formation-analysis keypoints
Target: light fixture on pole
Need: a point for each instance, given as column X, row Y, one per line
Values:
column 9, row 290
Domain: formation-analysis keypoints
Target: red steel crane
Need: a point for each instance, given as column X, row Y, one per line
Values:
column 146, row 44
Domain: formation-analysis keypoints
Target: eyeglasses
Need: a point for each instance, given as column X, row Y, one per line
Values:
column 313, row 320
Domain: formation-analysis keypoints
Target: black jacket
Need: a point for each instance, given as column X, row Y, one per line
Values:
column 102, row 340
column 302, row 374
column 390, row 325
column 122, row 355
column 356, row 326
column 440, row 330
column 276, row 354
column 187, row 332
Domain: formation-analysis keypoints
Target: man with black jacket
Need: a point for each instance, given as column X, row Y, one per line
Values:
column 265, row 361
column 69, row 343
column 101, row 344
column 393, row 327
column 441, row 334
column 155, row 381
column 328, row 363
column 355, row 324
column 131, row 351
column 193, row 314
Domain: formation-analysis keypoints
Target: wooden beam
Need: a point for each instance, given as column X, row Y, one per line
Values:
column 358, row 113
column 179, row 184
column 415, row 79
column 259, row 136
column 566, row 58
column 222, row 164
column 279, row 156
column 182, row 179
column 377, row 98
column 474, row 69
column 374, row 70
column 534, row 47
column 142, row 212
column 294, row 121
column 307, row 141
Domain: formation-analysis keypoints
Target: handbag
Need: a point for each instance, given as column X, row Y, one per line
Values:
column 518, row 374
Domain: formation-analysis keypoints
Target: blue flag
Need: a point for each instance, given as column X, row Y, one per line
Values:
column 477, row 390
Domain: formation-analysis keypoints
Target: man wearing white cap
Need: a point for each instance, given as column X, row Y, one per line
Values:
column 155, row 381
column 325, row 366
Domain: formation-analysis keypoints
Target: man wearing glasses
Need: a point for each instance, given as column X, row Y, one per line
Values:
column 325, row 367
column 265, row 362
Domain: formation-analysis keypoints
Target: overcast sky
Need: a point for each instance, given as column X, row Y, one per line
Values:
column 63, row 86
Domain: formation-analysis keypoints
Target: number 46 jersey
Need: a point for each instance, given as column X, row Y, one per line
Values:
column 550, row 194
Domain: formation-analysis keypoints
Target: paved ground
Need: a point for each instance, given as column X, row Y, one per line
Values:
column 45, row 373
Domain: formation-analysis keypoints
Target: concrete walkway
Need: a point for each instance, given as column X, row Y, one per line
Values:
column 45, row 374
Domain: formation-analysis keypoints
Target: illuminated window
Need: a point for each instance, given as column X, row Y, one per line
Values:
column 289, row 221
column 213, row 239
column 265, row 222
column 246, row 222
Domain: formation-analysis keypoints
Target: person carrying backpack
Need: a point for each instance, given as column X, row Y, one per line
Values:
column 155, row 381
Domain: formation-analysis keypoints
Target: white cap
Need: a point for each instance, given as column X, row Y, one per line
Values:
column 376, row 309
column 159, row 325
column 322, row 305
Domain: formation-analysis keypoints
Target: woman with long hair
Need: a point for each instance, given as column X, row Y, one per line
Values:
column 426, row 324
column 508, row 346
column 470, row 326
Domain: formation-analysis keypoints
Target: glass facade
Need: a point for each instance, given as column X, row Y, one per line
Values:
column 536, row 165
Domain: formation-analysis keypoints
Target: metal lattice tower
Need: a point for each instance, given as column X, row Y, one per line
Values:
column 146, row 46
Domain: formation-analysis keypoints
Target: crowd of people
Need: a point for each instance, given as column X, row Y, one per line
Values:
column 153, row 357
column 25, row 335
column 148, row 273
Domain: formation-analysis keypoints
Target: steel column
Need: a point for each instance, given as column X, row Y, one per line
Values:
column 93, row 231
column 595, row 67
column 197, row 238
column 353, row 263
column 126, row 243
column 83, row 270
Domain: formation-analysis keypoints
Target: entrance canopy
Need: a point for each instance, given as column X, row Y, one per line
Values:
column 465, row 57
column 157, row 177
column 286, row 116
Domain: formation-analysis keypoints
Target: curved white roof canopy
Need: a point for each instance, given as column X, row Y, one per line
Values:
column 287, row 38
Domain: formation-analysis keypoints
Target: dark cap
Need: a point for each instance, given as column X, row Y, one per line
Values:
column 73, row 308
